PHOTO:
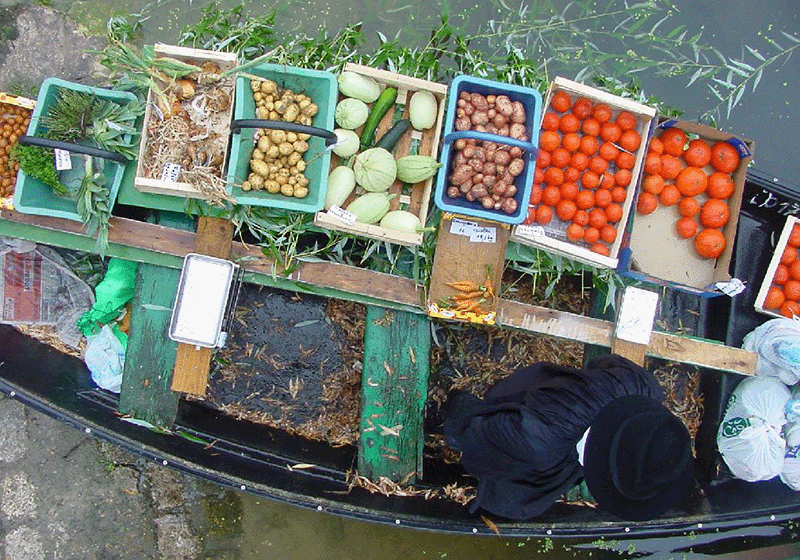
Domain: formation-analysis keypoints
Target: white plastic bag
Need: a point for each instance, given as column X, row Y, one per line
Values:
column 105, row 358
column 790, row 474
column 777, row 344
column 750, row 438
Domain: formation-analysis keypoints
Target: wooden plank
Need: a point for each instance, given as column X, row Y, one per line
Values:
column 393, row 391
column 631, row 350
column 145, row 392
column 193, row 363
column 152, row 243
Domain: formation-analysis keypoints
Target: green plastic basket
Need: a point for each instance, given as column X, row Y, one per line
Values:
column 321, row 87
column 31, row 196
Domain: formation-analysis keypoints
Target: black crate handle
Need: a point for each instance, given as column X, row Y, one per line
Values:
column 71, row 147
column 329, row 137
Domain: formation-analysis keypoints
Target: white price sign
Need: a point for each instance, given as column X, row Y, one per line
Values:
column 63, row 161
column 476, row 233
column 170, row 172
column 342, row 215
column 527, row 230
column 636, row 315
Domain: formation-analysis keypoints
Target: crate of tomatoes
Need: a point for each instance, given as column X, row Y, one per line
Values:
column 687, row 208
column 591, row 151
column 779, row 294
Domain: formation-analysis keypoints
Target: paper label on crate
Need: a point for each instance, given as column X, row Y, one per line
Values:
column 735, row 286
column 63, row 161
column 475, row 232
column 170, row 172
column 342, row 215
column 636, row 315
column 527, row 230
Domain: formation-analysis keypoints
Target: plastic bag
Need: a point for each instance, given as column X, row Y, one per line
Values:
column 777, row 344
column 750, row 437
column 790, row 474
column 116, row 289
column 105, row 358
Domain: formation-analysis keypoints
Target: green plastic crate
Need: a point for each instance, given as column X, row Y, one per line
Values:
column 321, row 87
column 31, row 196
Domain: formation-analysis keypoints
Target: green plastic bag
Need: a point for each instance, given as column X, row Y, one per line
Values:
column 115, row 290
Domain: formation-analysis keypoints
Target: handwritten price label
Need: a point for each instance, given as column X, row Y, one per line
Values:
column 476, row 233
column 530, row 231
column 170, row 172
column 63, row 161
column 636, row 315
column 342, row 215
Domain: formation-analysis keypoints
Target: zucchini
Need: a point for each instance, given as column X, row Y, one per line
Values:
column 393, row 135
column 379, row 108
column 371, row 207
column 422, row 110
column 414, row 169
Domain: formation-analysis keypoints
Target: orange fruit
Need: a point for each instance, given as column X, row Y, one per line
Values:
column 670, row 167
column 653, row 184
column 613, row 213
column 602, row 112
column 791, row 289
column 724, row 157
column 607, row 181
column 569, row 191
column 549, row 140
column 560, row 101
column 600, row 249
column 538, row 176
column 590, row 127
column 689, row 207
column 610, row 132
column 579, row 161
column 789, row 255
column 598, row 165
column 571, row 175
column 698, row 154
column 623, row 177
column 686, row 227
column 569, row 123
column 619, row 194
column 692, row 181
column 625, row 161
column 571, row 142
column 710, row 243
column 608, row 233
column 652, row 164
column 608, row 151
column 626, row 120
column 602, row 198
column 536, row 195
column 591, row 234
column 775, row 298
column 553, row 176
column 589, row 145
column 531, row 216
column 565, row 210
column 674, row 140
column 585, row 199
column 790, row 309
column 581, row 218
column 781, row 274
column 574, row 232
column 794, row 236
column 550, row 121
column 655, row 146
column 582, row 108
column 670, row 195
column 590, row 179
column 720, row 185
column 714, row 213
column 544, row 214
column 630, row 140
column 647, row 203
column 597, row 218
column 794, row 270
column 551, row 195
column 543, row 159
column 559, row 158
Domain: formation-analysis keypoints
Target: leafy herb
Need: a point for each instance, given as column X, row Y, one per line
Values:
column 37, row 162
column 94, row 204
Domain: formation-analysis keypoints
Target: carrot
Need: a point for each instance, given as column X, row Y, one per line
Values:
column 467, row 295
column 468, row 306
column 464, row 286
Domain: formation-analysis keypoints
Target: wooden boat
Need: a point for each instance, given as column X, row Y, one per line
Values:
column 187, row 435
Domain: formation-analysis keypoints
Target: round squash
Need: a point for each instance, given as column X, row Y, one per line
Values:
column 375, row 169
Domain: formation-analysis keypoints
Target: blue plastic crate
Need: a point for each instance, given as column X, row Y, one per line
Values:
column 532, row 100
column 31, row 196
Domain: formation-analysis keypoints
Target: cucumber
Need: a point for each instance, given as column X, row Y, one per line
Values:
column 379, row 108
column 393, row 135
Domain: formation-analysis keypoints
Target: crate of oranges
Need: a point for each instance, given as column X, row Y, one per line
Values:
column 591, row 151
column 780, row 292
column 688, row 205
column 15, row 115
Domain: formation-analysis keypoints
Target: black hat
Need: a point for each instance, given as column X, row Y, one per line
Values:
column 638, row 459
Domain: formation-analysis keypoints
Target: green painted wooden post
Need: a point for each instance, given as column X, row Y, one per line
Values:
column 394, row 388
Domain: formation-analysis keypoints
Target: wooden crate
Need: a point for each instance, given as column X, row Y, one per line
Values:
column 468, row 249
column 655, row 252
column 552, row 237
column 17, row 101
column 153, row 185
column 414, row 198
column 783, row 241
